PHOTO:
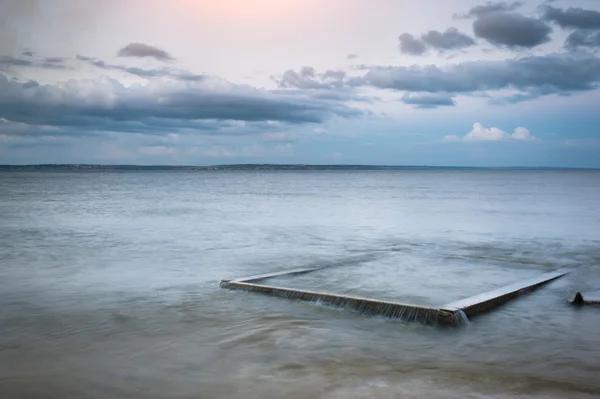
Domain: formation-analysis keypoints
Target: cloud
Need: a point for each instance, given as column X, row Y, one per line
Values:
column 327, row 85
column 511, row 30
column 583, row 38
column 331, row 85
column 19, row 132
column 309, row 79
column 428, row 100
column 144, row 72
column 560, row 73
column 491, row 7
column 450, row 39
column 411, row 45
column 8, row 62
column 307, row 71
column 352, row 56
column 572, row 17
column 481, row 133
column 55, row 60
column 333, row 75
column 141, row 50
column 106, row 105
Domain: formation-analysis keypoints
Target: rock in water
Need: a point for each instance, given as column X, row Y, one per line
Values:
column 591, row 299
column 578, row 300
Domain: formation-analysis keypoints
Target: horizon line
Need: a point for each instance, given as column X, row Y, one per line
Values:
column 338, row 165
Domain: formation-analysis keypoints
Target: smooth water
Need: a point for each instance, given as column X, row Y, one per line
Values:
column 109, row 283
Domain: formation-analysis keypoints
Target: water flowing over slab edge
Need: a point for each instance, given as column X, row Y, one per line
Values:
column 452, row 314
column 394, row 310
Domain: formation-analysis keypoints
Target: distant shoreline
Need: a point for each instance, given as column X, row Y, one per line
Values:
column 254, row 167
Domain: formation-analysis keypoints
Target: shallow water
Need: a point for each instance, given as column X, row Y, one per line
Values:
column 109, row 283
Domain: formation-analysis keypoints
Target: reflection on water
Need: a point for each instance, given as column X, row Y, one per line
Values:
column 109, row 284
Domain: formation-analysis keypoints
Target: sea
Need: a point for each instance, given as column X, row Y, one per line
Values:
column 109, row 283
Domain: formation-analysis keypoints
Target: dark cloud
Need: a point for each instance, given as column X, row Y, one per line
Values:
column 352, row 56
column 572, row 17
column 329, row 86
column 308, row 79
column 307, row 71
column 141, row 50
column 428, row 100
column 105, row 105
column 27, row 53
column 334, row 75
column 141, row 72
column 583, row 38
column 451, row 39
column 54, row 63
column 511, row 30
column 23, row 132
column 293, row 79
column 145, row 72
column 538, row 75
column 491, row 7
column 8, row 62
column 411, row 45
column 55, row 60
column 528, row 77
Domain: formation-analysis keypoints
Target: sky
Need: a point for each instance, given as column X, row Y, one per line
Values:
column 385, row 82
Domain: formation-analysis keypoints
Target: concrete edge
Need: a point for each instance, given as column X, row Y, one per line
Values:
column 276, row 274
column 408, row 312
column 487, row 301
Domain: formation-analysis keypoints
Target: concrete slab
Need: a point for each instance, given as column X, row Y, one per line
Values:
column 485, row 302
column 396, row 310
column 453, row 313
column 592, row 296
column 276, row 274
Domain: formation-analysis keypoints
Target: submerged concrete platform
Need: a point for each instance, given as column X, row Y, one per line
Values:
column 423, row 314
column 487, row 301
column 276, row 274
column 452, row 314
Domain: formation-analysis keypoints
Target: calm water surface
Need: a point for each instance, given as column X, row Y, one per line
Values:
column 109, row 284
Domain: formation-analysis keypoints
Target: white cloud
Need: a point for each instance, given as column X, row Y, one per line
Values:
column 521, row 133
column 482, row 133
